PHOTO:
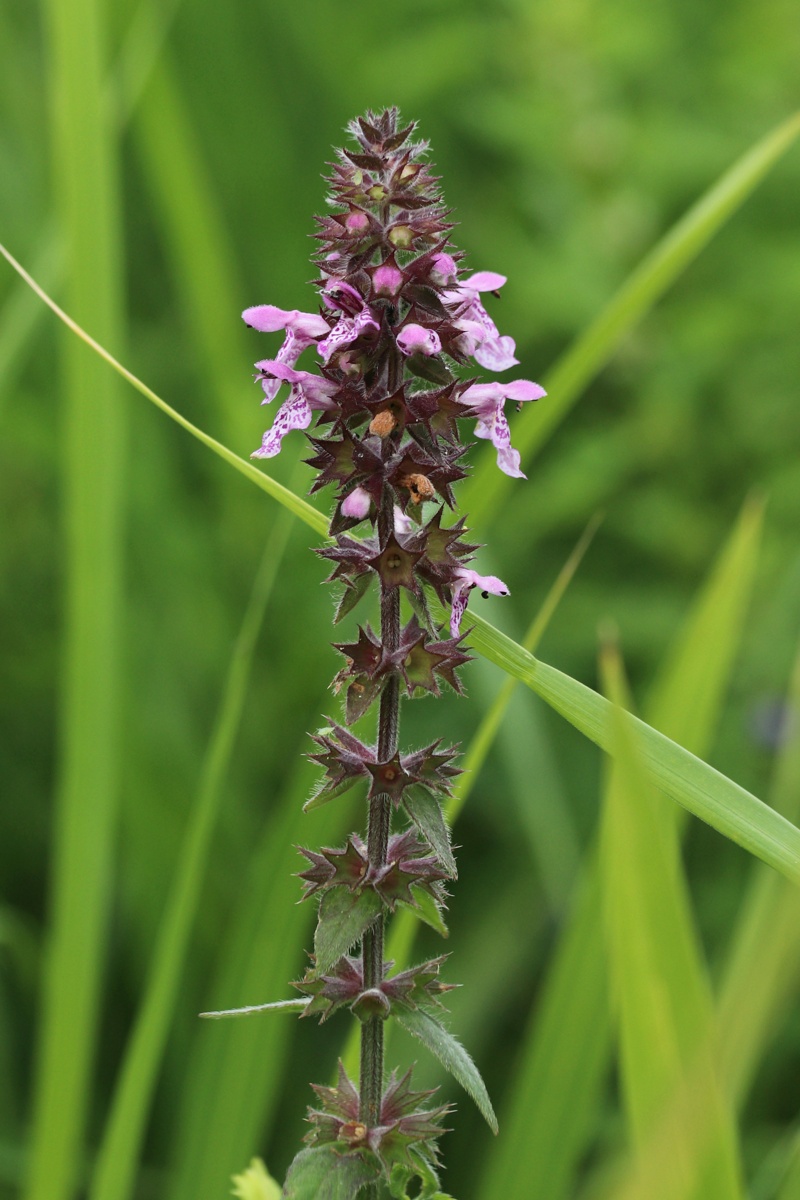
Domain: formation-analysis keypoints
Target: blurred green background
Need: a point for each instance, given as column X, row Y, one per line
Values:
column 570, row 135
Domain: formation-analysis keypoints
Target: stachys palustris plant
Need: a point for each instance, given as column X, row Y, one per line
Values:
column 397, row 320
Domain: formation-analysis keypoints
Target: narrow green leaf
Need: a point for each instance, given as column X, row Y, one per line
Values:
column 115, row 1169
column 563, row 1057
column 92, row 451
column 451, row 1055
column 695, row 785
column 295, row 504
column 685, row 700
column 658, row 979
column 235, row 1070
column 759, row 982
column 276, row 1006
column 566, row 381
column 711, row 796
column 566, row 1052
column 343, row 918
column 322, row 1174
column 426, row 813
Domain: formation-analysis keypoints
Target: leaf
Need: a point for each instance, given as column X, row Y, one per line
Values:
column 707, row 793
column 451, row 1055
column 322, row 1174
column 658, row 977
column 343, row 917
column 255, row 1183
column 426, row 908
column 426, row 813
column 350, row 597
column 565, row 1052
column 298, row 1005
column 322, row 794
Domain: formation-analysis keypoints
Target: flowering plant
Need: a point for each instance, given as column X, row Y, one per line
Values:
column 397, row 319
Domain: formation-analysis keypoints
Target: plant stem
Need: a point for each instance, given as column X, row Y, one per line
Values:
column 380, row 810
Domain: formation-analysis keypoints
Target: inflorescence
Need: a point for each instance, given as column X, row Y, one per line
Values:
column 396, row 322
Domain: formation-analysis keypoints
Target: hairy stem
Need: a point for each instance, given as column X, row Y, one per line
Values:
column 380, row 810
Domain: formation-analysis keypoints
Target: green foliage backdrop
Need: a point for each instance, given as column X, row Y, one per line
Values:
column 164, row 634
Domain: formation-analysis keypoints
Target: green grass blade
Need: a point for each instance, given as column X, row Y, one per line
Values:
column 22, row 312
column 234, row 1077
column 488, row 488
column 548, row 1118
column 86, row 185
column 198, row 246
column 657, row 975
column 487, row 731
column 761, row 970
column 115, row 1170
column 563, row 1058
column 287, row 498
column 125, row 83
column 684, row 702
column 692, row 783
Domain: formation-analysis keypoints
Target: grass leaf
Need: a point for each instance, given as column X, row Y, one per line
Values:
column 93, row 453
column 486, row 491
column 567, row 1048
column 658, row 979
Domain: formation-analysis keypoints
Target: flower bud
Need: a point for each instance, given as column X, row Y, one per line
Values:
column 356, row 504
column 356, row 222
column 387, row 280
column 401, row 236
column 415, row 339
column 443, row 269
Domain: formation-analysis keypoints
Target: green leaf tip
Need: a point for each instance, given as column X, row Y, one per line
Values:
column 255, row 1183
column 451, row 1055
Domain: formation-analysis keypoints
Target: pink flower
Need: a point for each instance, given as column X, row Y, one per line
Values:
column 487, row 401
column 415, row 339
column 480, row 336
column 342, row 296
column 346, row 331
column 356, row 503
column 301, row 330
column 465, row 581
column 443, row 269
column 402, row 522
column 308, row 392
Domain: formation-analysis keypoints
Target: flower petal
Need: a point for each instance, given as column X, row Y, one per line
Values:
column 483, row 281
column 345, row 332
column 268, row 318
column 496, row 353
column 523, row 389
column 294, row 414
column 466, row 580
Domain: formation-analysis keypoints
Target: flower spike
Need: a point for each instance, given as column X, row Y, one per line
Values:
column 400, row 325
